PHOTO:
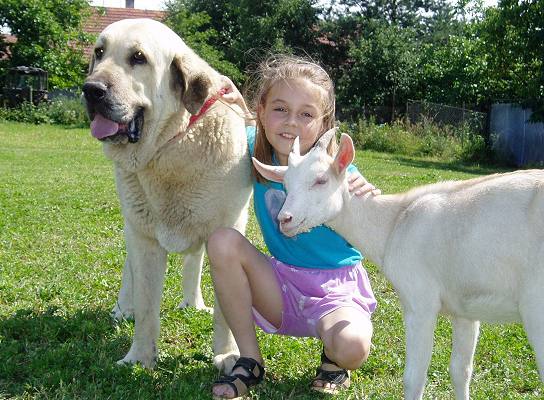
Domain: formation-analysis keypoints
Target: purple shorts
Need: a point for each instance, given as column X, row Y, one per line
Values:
column 310, row 294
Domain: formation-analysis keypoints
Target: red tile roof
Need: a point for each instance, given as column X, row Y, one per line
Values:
column 101, row 17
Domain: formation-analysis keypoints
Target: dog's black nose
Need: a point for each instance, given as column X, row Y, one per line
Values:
column 95, row 91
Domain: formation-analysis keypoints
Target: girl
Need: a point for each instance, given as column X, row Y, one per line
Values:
column 314, row 284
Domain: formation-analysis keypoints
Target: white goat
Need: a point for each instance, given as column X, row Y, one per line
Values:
column 471, row 249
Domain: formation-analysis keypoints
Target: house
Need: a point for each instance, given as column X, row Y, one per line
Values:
column 100, row 18
column 104, row 16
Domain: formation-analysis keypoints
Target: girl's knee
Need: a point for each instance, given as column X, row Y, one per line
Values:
column 350, row 349
column 221, row 243
column 355, row 352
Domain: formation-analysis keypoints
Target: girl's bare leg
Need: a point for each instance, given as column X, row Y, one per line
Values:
column 242, row 279
column 346, row 334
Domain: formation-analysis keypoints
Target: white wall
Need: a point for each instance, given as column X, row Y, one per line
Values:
column 141, row 4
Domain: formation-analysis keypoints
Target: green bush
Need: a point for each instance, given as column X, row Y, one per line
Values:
column 424, row 139
column 62, row 111
column 27, row 112
column 68, row 111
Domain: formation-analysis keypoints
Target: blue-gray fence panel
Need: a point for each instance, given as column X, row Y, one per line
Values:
column 515, row 137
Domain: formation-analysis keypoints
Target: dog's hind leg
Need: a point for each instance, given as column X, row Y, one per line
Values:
column 124, row 307
column 225, row 350
column 192, row 277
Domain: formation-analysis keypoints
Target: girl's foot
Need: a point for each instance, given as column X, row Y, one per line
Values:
column 246, row 373
column 330, row 377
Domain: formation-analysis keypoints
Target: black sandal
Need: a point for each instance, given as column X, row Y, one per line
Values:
column 240, row 383
column 329, row 372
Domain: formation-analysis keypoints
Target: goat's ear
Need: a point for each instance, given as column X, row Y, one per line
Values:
column 194, row 86
column 274, row 173
column 345, row 155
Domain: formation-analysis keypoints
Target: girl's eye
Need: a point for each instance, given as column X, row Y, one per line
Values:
column 307, row 115
column 280, row 109
column 138, row 58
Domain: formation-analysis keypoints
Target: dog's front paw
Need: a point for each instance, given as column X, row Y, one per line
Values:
column 145, row 359
column 120, row 314
column 199, row 305
column 225, row 362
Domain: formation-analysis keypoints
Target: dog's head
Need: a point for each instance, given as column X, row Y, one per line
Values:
column 143, row 81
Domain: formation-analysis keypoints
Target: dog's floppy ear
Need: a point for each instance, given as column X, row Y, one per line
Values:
column 91, row 65
column 194, row 84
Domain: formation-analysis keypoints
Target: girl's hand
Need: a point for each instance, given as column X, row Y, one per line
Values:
column 233, row 96
column 359, row 186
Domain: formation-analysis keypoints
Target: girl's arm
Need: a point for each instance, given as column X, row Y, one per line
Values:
column 233, row 96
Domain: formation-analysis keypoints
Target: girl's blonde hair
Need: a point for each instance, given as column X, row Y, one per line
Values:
column 284, row 68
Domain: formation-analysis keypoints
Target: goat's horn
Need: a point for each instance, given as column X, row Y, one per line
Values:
column 326, row 138
column 294, row 155
column 296, row 147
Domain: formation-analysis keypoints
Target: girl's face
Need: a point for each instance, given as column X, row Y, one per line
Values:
column 291, row 108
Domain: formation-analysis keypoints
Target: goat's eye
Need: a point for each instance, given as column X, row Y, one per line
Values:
column 138, row 58
column 99, row 52
column 320, row 181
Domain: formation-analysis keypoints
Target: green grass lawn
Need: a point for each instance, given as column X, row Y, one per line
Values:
column 61, row 253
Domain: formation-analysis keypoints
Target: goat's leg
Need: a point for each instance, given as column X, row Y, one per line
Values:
column 419, row 327
column 192, row 277
column 531, row 306
column 465, row 336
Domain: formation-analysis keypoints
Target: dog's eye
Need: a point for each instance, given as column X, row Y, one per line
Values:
column 98, row 53
column 138, row 58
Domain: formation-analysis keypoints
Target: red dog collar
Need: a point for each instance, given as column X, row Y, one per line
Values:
column 207, row 105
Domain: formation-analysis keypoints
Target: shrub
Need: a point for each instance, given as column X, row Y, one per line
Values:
column 68, row 111
column 63, row 111
column 421, row 139
column 27, row 112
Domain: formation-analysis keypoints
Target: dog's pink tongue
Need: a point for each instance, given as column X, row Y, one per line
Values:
column 102, row 127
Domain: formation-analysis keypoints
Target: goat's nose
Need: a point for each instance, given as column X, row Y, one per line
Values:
column 95, row 91
column 285, row 217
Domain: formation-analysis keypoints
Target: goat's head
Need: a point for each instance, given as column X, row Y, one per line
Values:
column 315, row 184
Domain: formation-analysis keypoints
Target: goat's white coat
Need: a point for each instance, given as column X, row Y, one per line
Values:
column 471, row 249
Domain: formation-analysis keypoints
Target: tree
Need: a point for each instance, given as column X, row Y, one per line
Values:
column 381, row 69
column 513, row 36
column 49, row 36
column 403, row 13
column 496, row 57
column 245, row 31
column 197, row 31
column 376, row 45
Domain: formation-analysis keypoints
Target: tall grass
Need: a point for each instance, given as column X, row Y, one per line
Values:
column 61, row 254
column 423, row 139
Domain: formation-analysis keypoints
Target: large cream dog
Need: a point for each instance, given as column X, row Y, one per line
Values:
column 178, row 178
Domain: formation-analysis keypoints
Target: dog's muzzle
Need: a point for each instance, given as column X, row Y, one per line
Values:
column 104, row 125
